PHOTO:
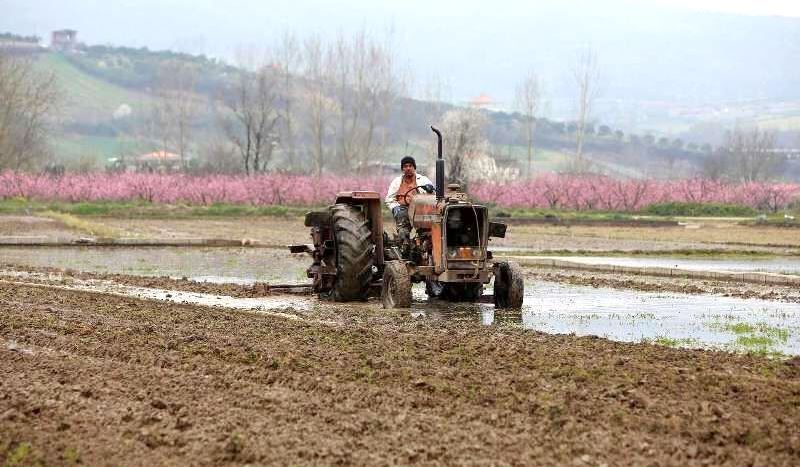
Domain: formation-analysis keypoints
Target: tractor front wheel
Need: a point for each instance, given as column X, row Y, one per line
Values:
column 509, row 286
column 396, row 289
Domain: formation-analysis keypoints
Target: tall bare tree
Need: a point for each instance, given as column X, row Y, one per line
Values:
column 586, row 74
column 747, row 155
column 463, row 141
column 288, row 59
column 751, row 154
column 367, row 83
column 27, row 99
column 252, row 121
column 175, row 107
column 321, row 108
column 528, row 97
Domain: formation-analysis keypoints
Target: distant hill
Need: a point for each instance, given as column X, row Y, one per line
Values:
column 108, row 99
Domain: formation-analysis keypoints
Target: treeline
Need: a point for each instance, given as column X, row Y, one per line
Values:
column 314, row 105
column 580, row 193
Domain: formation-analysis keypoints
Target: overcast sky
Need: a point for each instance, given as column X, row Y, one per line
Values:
column 789, row 8
column 475, row 45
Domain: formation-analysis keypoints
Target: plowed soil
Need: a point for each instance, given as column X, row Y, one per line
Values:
column 108, row 380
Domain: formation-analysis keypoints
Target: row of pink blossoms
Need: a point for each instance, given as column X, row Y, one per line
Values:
column 548, row 191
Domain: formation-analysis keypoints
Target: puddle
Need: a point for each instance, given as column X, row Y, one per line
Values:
column 781, row 265
column 670, row 319
column 677, row 320
column 632, row 316
column 249, row 265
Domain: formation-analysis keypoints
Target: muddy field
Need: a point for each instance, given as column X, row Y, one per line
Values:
column 92, row 374
column 104, row 379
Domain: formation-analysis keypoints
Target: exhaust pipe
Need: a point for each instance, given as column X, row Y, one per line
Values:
column 439, row 166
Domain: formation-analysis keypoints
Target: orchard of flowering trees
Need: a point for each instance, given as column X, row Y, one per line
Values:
column 589, row 192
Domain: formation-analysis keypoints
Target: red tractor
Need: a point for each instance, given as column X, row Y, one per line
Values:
column 353, row 258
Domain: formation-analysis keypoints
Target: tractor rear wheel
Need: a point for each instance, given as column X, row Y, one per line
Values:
column 462, row 292
column 354, row 253
column 509, row 286
column 396, row 290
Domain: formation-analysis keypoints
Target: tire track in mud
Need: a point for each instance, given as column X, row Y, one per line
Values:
column 265, row 305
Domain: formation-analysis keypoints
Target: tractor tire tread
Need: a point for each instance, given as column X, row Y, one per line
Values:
column 509, row 286
column 396, row 281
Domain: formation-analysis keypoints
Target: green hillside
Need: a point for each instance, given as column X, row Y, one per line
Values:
column 89, row 100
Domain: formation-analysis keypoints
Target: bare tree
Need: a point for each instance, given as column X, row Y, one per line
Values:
column 747, row 155
column 437, row 95
column 751, row 154
column 586, row 73
column 367, row 83
column 27, row 99
column 288, row 59
column 463, row 141
column 528, row 101
column 174, row 108
column 715, row 165
column 321, row 108
column 253, row 117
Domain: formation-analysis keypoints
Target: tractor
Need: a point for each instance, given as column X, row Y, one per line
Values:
column 353, row 258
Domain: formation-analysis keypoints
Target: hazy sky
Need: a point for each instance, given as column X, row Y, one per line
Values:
column 473, row 45
column 744, row 7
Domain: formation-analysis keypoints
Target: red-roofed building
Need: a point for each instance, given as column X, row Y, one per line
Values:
column 483, row 101
column 161, row 161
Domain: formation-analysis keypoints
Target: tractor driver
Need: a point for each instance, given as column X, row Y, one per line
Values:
column 400, row 192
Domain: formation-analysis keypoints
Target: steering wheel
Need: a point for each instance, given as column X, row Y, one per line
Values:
column 405, row 195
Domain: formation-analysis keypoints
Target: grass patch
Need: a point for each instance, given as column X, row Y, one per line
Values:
column 680, row 253
column 757, row 339
column 675, row 343
column 699, row 210
column 240, row 210
column 129, row 210
column 81, row 225
column 559, row 215
column 747, row 331
column 19, row 455
column 754, row 341
column 660, row 210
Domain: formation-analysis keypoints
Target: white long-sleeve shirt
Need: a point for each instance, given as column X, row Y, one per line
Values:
column 391, row 194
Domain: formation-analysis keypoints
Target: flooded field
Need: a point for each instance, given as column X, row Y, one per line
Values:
column 246, row 265
column 779, row 265
column 673, row 319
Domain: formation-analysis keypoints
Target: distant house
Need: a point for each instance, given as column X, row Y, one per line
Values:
column 158, row 161
column 483, row 101
column 64, row 40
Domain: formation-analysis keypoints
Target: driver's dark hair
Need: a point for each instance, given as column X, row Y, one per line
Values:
column 408, row 160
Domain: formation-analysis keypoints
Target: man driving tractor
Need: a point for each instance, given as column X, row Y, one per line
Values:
column 400, row 192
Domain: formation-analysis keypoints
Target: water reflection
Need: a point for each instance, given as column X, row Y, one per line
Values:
column 681, row 320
